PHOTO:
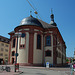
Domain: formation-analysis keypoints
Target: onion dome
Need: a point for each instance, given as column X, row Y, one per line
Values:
column 52, row 20
column 31, row 21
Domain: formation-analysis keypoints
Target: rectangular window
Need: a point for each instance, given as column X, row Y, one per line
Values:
column 13, row 53
column 38, row 41
column 2, row 44
column 6, row 45
column 1, row 49
column 6, row 50
column 6, row 54
column 1, row 54
column 48, row 53
column 48, row 41
column 14, row 40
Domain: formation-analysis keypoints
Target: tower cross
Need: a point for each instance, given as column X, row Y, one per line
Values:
column 51, row 11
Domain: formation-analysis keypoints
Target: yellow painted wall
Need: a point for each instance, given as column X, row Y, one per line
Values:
column 37, row 53
column 49, row 59
column 4, row 52
column 23, row 53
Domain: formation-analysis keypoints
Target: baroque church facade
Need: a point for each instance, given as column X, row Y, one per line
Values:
column 39, row 43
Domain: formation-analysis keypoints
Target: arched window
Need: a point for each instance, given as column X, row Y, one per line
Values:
column 14, row 42
column 48, row 53
column 38, row 41
column 48, row 41
column 13, row 53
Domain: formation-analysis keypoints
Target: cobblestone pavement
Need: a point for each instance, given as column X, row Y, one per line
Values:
column 27, row 70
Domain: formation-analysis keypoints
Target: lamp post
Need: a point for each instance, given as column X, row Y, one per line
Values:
column 16, row 54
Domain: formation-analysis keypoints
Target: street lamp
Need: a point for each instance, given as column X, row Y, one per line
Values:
column 16, row 54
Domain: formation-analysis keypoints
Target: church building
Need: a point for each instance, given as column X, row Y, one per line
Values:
column 38, row 43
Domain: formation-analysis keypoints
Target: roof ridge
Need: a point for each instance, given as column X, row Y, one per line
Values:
column 45, row 24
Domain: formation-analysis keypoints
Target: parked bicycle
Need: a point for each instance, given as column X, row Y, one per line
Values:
column 5, row 68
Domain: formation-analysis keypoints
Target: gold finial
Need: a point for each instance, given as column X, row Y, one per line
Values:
column 35, row 12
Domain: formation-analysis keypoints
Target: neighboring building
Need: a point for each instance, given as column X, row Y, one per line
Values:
column 4, row 49
column 39, row 43
column 70, row 59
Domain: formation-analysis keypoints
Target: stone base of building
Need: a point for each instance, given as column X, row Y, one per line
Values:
column 41, row 65
column 61, row 65
column 29, row 64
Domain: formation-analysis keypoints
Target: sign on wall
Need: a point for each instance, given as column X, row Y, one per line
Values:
column 47, row 64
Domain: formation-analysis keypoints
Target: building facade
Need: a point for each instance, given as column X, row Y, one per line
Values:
column 39, row 43
column 4, row 50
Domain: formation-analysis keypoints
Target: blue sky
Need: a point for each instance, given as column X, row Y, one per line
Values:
column 13, row 11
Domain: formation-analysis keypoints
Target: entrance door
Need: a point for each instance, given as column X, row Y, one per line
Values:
column 1, row 61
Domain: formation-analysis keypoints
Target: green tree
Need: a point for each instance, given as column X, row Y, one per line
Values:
column 67, row 60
